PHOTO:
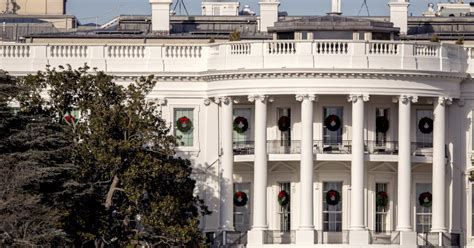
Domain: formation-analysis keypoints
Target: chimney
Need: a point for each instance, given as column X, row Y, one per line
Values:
column 336, row 7
column 160, row 15
column 268, row 14
column 399, row 14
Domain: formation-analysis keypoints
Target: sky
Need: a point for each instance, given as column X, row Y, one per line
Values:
column 88, row 11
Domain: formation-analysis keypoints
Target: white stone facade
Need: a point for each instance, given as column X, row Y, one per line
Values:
column 307, row 81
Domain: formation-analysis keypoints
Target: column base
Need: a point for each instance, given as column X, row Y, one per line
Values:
column 306, row 237
column 256, row 237
column 359, row 237
column 408, row 239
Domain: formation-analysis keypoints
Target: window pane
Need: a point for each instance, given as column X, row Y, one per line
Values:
column 186, row 138
column 381, row 137
column 242, row 214
column 332, row 214
column 245, row 136
column 333, row 137
column 381, row 211
column 285, row 211
column 423, row 139
column 423, row 214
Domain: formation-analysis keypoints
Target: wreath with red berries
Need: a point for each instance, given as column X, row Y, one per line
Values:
column 333, row 197
column 69, row 119
column 240, row 199
column 283, row 198
column 425, row 199
column 184, row 124
column 381, row 199
column 284, row 123
column 332, row 123
column 241, row 124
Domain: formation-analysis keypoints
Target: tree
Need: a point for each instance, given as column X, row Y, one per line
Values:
column 35, row 161
column 130, row 187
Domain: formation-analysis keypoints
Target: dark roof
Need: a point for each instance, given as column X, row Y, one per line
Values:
column 332, row 23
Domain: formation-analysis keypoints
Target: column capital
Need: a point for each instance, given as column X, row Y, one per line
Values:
column 405, row 99
column 445, row 101
column 355, row 97
column 309, row 97
column 223, row 100
column 261, row 98
column 207, row 101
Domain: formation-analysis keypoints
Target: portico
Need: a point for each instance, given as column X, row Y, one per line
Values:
column 359, row 233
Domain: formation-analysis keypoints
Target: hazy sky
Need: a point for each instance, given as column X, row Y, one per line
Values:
column 104, row 10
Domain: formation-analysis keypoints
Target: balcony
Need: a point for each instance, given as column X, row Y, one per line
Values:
column 424, row 149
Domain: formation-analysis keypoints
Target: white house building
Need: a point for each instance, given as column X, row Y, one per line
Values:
column 313, row 132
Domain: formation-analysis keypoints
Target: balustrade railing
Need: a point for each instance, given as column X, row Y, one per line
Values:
column 68, row 51
column 332, row 47
column 14, row 51
column 331, row 147
column 251, row 55
column 385, row 238
column 383, row 48
column 281, row 47
column 279, row 237
column 122, row 51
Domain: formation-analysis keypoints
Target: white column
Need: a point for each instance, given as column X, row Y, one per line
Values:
column 257, row 235
column 358, row 235
column 160, row 15
column 306, row 234
column 439, row 165
column 407, row 235
column 404, row 162
column 226, row 217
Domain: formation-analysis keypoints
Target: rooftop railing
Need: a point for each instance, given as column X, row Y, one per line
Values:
column 288, row 54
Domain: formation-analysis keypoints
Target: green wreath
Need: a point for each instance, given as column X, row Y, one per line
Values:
column 241, row 124
column 284, row 123
column 382, row 199
column 332, row 123
column 184, row 124
column 283, row 198
column 425, row 199
column 425, row 125
column 333, row 197
column 240, row 199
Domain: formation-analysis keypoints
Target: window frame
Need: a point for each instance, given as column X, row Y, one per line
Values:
column 196, row 110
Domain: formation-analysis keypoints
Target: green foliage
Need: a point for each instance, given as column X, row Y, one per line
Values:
column 460, row 41
column 34, row 163
column 434, row 38
column 234, row 36
column 129, row 187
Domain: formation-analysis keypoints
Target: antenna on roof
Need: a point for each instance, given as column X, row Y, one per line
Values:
column 180, row 5
column 364, row 3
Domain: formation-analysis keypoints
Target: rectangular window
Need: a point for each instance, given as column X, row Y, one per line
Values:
column 244, row 136
column 332, row 211
column 424, row 136
column 304, row 35
column 285, row 211
column 332, row 134
column 382, row 123
column 381, row 210
column 332, row 35
column 284, row 126
column 423, row 212
column 185, row 133
column 242, row 213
